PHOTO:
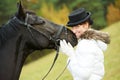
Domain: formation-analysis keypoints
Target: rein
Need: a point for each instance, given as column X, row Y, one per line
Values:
column 55, row 39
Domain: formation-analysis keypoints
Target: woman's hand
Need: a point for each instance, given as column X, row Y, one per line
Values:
column 66, row 48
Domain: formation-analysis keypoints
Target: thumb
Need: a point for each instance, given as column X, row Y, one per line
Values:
column 70, row 45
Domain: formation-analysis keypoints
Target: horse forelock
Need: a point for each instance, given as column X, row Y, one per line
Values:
column 30, row 12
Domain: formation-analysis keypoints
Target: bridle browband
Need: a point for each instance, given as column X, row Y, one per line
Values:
column 54, row 38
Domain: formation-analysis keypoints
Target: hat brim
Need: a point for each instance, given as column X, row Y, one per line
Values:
column 71, row 24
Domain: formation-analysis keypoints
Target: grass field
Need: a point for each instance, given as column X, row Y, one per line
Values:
column 112, row 55
column 37, row 69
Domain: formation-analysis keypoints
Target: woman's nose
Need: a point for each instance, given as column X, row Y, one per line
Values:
column 75, row 31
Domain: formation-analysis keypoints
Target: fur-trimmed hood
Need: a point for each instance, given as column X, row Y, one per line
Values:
column 96, row 35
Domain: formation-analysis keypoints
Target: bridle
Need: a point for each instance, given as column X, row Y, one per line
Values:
column 54, row 38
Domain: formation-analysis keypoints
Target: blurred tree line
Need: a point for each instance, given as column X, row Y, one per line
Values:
column 104, row 12
column 7, row 8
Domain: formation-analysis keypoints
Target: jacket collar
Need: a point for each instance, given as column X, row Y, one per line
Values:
column 96, row 35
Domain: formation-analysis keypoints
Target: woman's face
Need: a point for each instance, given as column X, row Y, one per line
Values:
column 80, row 29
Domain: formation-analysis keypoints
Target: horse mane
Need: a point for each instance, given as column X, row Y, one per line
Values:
column 6, row 32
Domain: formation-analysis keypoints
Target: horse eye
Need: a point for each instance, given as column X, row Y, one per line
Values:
column 42, row 22
column 38, row 22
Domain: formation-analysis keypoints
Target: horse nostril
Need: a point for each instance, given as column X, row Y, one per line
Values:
column 74, row 40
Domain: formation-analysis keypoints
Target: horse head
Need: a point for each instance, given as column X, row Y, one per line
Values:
column 42, row 32
column 25, row 33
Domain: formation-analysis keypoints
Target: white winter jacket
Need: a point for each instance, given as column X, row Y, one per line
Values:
column 87, row 62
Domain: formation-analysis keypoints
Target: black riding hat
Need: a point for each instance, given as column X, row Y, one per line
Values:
column 79, row 16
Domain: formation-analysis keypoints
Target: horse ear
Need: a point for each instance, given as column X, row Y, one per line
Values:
column 20, row 13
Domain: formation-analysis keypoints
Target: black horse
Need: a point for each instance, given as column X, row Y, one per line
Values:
column 24, row 33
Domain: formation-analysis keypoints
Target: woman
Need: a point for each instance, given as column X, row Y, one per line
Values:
column 87, row 60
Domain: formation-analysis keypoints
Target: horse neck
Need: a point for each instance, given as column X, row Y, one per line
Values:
column 7, row 32
column 20, row 58
column 14, row 46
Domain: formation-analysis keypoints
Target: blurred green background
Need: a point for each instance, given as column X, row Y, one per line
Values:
column 106, row 16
